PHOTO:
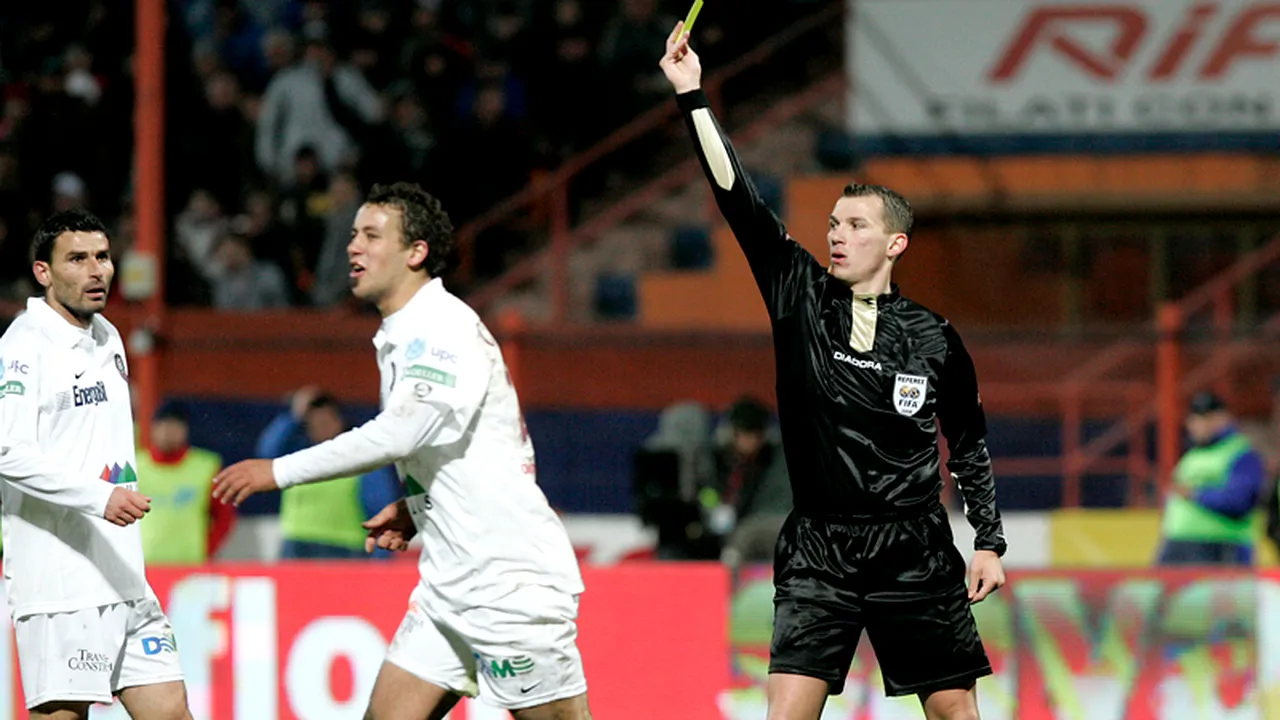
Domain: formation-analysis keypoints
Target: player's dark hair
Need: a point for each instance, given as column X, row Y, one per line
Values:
column 75, row 220
column 898, row 216
column 324, row 400
column 748, row 415
column 422, row 218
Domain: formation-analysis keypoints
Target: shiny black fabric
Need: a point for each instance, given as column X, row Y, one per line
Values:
column 903, row 581
column 853, row 448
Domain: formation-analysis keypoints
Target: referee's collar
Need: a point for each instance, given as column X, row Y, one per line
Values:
column 886, row 298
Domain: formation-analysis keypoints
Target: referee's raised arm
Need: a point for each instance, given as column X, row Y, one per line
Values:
column 759, row 232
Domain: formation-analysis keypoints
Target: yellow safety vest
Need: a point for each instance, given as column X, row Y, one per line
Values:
column 176, row 531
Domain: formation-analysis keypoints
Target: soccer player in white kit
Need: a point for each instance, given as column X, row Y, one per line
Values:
column 87, row 624
column 495, row 610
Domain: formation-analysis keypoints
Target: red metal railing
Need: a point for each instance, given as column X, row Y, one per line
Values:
column 1172, row 384
column 551, row 192
column 564, row 239
column 1159, row 400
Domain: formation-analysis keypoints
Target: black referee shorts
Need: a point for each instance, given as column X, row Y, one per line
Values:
column 902, row 580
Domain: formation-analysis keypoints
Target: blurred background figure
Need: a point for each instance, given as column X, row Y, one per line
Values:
column 185, row 526
column 322, row 520
column 750, row 496
column 1209, row 518
column 1267, row 439
column 670, row 467
column 243, row 283
column 322, row 102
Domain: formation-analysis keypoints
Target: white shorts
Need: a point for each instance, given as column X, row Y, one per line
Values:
column 519, row 654
column 90, row 655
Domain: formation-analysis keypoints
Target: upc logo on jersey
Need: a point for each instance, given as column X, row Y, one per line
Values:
column 92, row 395
column 415, row 349
column 16, row 367
column 157, row 644
column 117, row 475
column 908, row 393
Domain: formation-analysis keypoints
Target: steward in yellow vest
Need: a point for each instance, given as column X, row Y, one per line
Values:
column 1211, row 517
column 322, row 520
column 185, row 526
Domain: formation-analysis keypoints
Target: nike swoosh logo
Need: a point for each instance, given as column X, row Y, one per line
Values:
column 524, row 690
column 80, row 373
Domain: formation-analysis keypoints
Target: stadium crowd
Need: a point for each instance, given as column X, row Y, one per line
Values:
column 280, row 112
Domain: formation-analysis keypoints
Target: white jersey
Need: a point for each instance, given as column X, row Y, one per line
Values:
column 452, row 425
column 66, row 442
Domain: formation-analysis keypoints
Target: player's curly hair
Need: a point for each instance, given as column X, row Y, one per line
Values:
column 423, row 218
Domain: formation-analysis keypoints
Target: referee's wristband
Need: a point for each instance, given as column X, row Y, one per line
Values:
column 692, row 100
column 999, row 550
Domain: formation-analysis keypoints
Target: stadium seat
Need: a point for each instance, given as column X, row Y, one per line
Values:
column 691, row 248
column 834, row 151
column 771, row 189
column 615, row 297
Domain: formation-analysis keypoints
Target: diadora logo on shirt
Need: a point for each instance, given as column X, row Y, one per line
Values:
column 92, row 395
column 117, row 475
column 857, row 362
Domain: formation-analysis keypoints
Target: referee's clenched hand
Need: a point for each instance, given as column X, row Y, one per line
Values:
column 986, row 574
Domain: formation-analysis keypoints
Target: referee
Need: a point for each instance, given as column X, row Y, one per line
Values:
column 864, row 376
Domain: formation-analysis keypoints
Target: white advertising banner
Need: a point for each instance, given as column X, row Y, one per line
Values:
column 934, row 68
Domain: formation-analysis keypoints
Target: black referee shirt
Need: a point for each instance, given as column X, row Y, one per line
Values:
column 859, row 428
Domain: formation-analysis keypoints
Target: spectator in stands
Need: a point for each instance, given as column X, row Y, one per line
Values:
column 1269, row 443
column 751, row 493
column 1209, row 516
column 185, row 526
column 489, row 158
column 570, row 59
column 489, row 155
column 197, row 230
column 373, row 43
column 332, row 286
column 304, row 207
column 68, row 192
column 238, row 38
column 435, row 62
column 219, row 140
column 630, row 61
column 242, row 282
column 323, row 520
column 258, row 224
column 318, row 102
column 278, row 48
